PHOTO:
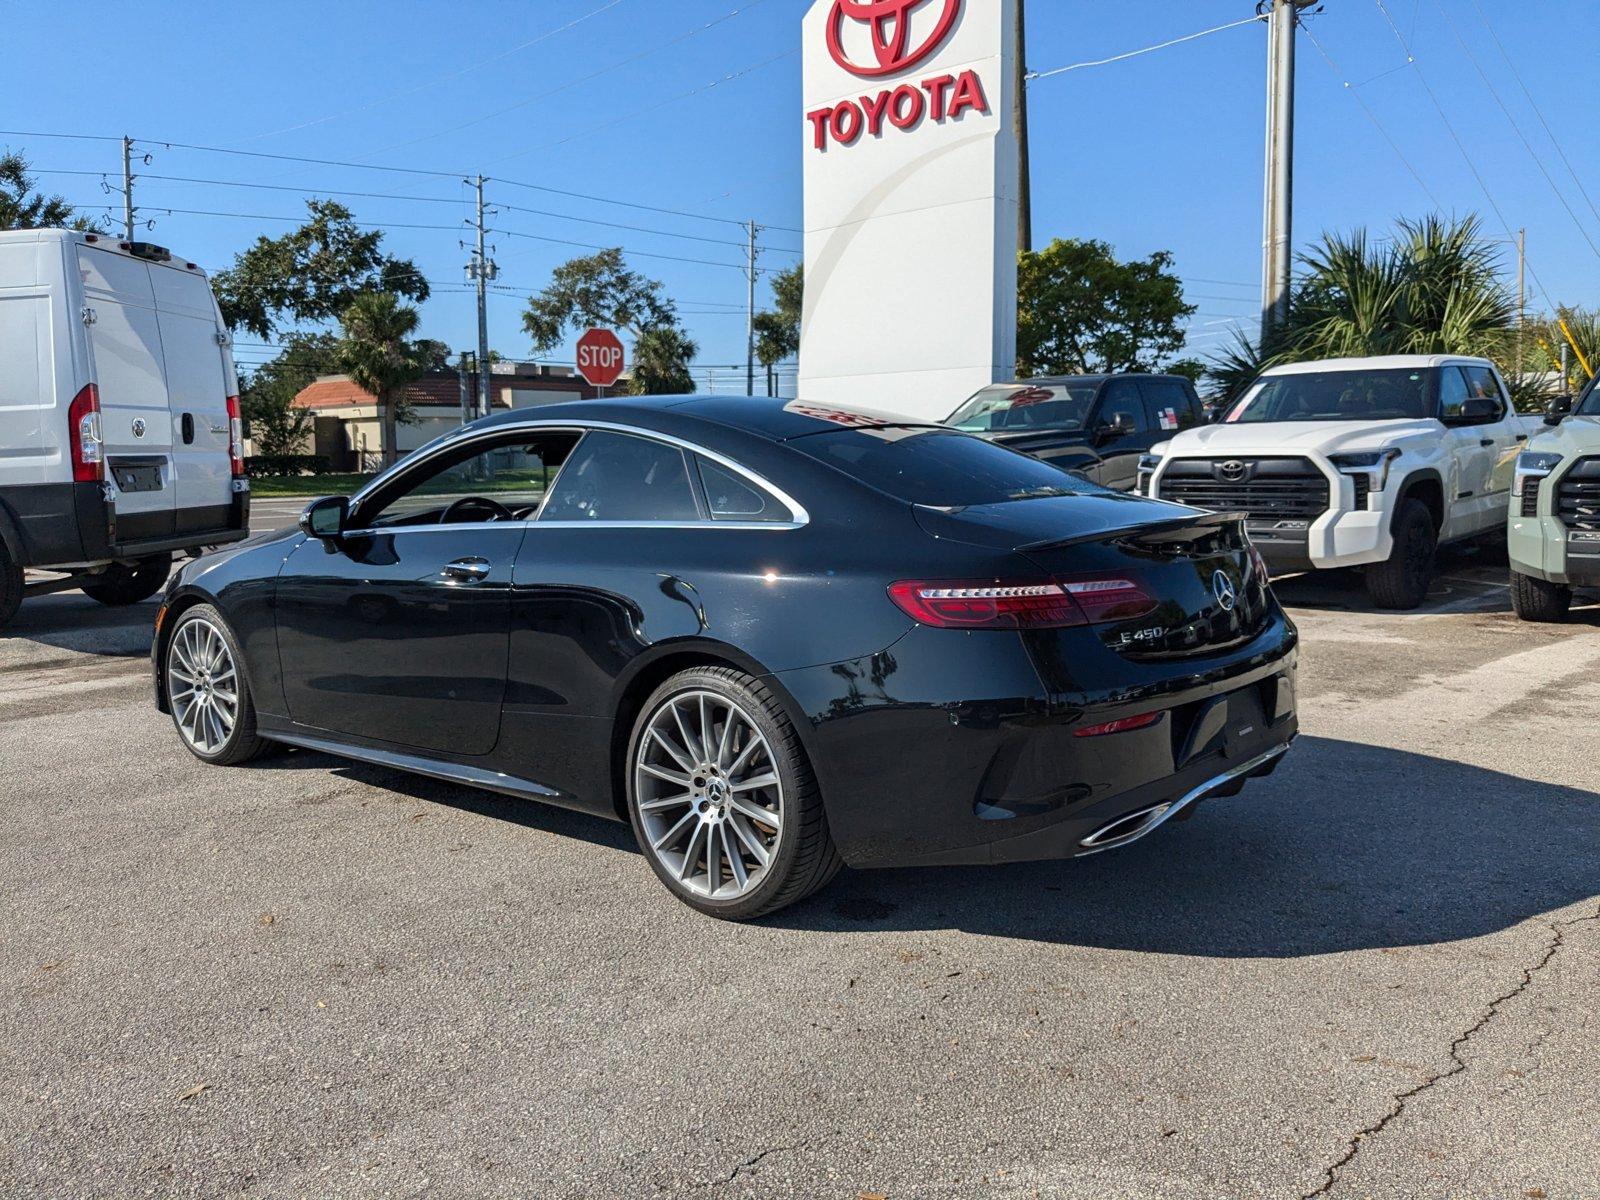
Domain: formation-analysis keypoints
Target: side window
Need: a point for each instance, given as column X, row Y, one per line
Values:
column 732, row 497
column 1453, row 392
column 473, row 484
column 1172, row 407
column 1121, row 398
column 1482, row 383
column 619, row 477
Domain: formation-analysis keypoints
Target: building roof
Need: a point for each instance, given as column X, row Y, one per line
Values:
column 439, row 389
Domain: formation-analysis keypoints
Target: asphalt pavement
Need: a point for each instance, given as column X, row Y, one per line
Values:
column 1374, row 974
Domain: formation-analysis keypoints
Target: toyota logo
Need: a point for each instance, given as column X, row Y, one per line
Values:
column 1233, row 470
column 889, row 22
column 1223, row 589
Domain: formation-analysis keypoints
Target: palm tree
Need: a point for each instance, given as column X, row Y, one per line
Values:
column 661, row 362
column 379, row 356
column 1434, row 288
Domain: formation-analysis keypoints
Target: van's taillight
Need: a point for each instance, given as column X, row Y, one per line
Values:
column 976, row 604
column 235, row 436
column 88, row 445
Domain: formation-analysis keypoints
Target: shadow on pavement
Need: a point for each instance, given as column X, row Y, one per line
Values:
column 72, row 621
column 1347, row 847
column 1469, row 578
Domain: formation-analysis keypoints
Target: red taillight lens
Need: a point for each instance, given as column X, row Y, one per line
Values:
column 85, row 438
column 235, row 436
column 980, row 604
column 1142, row 721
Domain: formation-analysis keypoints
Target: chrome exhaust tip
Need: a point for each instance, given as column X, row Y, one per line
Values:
column 1126, row 829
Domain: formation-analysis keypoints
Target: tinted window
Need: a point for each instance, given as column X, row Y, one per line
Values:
column 1482, row 384
column 1122, row 399
column 618, row 477
column 1336, row 396
column 1022, row 407
column 938, row 467
column 515, row 475
column 732, row 497
column 1172, row 407
column 1453, row 392
column 1588, row 404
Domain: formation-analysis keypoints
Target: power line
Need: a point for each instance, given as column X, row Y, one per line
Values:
column 706, row 262
column 1517, row 129
column 422, row 87
column 539, row 212
column 1115, row 58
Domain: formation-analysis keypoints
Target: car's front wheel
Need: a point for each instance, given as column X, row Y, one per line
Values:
column 1402, row 581
column 208, row 692
column 1535, row 600
column 723, row 799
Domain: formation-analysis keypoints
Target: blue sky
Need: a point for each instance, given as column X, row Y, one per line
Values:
column 1162, row 151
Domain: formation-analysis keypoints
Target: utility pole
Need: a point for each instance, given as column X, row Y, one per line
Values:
column 466, row 386
column 750, row 318
column 481, row 271
column 127, row 187
column 1522, row 290
column 1020, row 120
column 1277, row 233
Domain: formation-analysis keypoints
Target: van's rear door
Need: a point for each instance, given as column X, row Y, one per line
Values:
column 199, row 381
column 125, row 346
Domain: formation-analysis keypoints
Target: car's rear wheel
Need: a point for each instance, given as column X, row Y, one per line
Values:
column 1535, row 600
column 128, row 583
column 723, row 799
column 1402, row 581
column 10, row 586
column 208, row 692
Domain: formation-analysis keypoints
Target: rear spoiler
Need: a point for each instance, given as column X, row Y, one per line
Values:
column 1179, row 529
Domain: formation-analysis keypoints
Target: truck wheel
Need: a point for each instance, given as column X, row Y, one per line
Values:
column 122, row 584
column 1402, row 581
column 1535, row 600
column 10, row 587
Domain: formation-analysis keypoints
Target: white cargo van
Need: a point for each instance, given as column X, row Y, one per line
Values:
column 120, row 436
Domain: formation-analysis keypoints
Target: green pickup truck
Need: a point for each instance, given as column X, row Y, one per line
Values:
column 1553, row 533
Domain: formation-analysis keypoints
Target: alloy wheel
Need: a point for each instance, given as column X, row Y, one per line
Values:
column 710, row 800
column 202, row 686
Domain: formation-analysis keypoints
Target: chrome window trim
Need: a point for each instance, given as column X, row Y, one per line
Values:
column 798, row 516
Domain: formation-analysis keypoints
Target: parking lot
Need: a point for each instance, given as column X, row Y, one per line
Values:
column 1373, row 974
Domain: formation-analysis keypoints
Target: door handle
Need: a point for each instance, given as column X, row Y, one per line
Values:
column 1485, row 441
column 1522, row 437
column 467, row 570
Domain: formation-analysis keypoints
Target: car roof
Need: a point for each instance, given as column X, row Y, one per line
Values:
column 1378, row 362
column 772, row 418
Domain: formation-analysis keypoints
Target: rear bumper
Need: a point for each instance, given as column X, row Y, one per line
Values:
column 911, row 778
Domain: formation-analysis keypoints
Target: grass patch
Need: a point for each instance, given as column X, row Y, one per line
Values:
column 272, row 486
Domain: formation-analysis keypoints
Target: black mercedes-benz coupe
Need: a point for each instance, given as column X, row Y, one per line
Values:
column 774, row 637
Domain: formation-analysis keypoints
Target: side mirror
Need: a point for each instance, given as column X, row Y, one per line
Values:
column 1478, row 409
column 1119, row 426
column 1558, row 409
column 326, row 518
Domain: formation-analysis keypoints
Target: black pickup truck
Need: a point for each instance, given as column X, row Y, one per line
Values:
column 1097, row 424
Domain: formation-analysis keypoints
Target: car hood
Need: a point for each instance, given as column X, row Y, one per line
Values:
column 1572, row 438
column 1321, row 437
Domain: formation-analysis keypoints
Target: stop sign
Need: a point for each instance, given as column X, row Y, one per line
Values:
column 600, row 357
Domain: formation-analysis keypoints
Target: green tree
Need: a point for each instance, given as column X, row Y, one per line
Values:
column 1434, row 288
column 778, row 328
column 1543, row 338
column 311, row 274
column 378, row 354
column 22, row 207
column 1081, row 310
column 598, row 290
column 661, row 359
column 266, row 397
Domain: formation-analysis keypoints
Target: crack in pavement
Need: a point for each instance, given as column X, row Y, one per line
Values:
column 750, row 1162
column 1457, row 1063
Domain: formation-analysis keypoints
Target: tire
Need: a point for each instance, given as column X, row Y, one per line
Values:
column 1535, row 600
column 678, row 810
column 10, row 586
column 122, row 585
column 203, row 656
column 1402, row 581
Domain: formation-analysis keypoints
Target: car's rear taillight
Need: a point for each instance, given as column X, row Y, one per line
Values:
column 235, row 436
column 84, row 435
column 980, row 604
column 1123, row 725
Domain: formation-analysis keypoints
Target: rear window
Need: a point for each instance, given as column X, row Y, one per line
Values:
column 939, row 467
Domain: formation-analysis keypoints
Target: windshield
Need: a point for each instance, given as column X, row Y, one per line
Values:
column 939, row 467
column 1018, row 408
column 1588, row 404
column 1336, row 396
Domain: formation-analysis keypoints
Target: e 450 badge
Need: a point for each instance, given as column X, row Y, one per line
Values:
column 1139, row 636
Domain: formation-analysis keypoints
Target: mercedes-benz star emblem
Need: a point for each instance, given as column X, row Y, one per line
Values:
column 1233, row 470
column 1222, row 587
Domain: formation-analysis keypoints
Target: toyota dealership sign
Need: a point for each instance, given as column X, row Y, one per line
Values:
column 911, row 201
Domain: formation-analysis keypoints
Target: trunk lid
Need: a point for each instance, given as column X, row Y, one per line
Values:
column 1204, row 590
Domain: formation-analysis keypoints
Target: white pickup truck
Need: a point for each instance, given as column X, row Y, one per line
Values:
column 1369, row 462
